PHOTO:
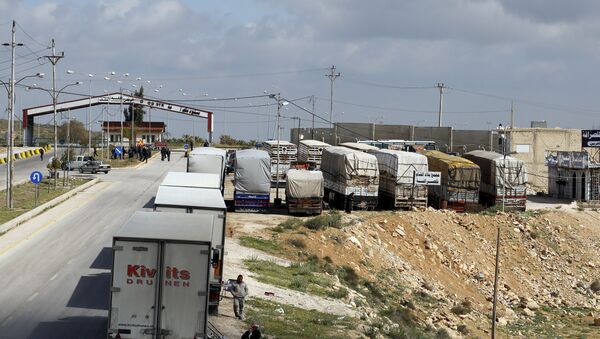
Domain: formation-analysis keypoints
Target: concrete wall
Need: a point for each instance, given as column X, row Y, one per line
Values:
column 468, row 140
column 540, row 141
column 442, row 136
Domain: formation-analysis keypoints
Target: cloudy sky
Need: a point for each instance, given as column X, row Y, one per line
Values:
column 543, row 54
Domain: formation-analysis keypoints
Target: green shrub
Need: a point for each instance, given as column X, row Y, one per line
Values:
column 322, row 222
column 297, row 242
column 349, row 276
column 299, row 283
column 340, row 293
column 463, row 308
column 289, row 224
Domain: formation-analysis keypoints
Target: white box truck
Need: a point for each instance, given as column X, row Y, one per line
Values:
column 208, row 160
column 200, row 201
column 198, row 180
column 160, row 277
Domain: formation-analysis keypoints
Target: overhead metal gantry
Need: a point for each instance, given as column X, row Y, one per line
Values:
column 111, row 99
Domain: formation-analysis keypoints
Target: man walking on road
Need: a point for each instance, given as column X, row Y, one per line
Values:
column 239, row 290
column 41, row 154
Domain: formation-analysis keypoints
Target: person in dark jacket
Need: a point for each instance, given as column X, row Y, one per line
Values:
column 349, row 203
column 168, row 154
column 41, row 154
column 163, row 153
column 252, row 333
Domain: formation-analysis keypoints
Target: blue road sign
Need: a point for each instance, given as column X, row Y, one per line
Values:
column 118, row 150
column 36, row 177
column 186, row 146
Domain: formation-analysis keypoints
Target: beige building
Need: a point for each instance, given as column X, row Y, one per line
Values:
column 533, row 145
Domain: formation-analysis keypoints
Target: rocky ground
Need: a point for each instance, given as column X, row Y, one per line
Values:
column 438, row 268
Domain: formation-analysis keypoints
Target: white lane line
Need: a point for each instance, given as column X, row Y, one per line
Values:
column 32, row 296
column 54, row 276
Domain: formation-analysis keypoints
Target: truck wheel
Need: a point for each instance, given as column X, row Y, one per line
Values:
column 105, row 172
column 80, row 170
column 94, row 171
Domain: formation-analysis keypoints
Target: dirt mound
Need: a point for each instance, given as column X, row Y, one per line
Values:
column 442, row 259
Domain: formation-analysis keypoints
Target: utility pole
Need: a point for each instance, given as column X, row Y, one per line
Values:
column 121, row 114
column 440, row 86
column 496, row 283
column 512, row 115
column 277, row 199
column 312, row 133
column 11, row 103
column 332, row 76
column 54, row 58
column 89, row 117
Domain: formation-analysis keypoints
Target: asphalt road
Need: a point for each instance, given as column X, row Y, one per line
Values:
column 55, row 269
column 24, row 167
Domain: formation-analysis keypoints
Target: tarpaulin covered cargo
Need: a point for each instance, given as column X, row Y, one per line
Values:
column 252, row 172
column 497, row 171
column 341, row 163
column 400, row 165
column 207, row 160
column 359, row 146
column 304, row 184
column 348, row 171
column 456, row 172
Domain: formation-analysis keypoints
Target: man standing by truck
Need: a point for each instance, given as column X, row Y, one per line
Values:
column 239, row 290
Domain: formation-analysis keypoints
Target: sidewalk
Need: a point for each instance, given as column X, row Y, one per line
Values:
column 23, row 153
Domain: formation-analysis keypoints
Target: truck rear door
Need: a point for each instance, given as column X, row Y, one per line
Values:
column 134, row 289
column 184, row 295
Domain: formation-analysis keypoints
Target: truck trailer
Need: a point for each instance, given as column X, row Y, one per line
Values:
column 459, row 189
column 350, row 176
column 160, row 276
column 200, row 201
column 304, row 192
column 503, row 179
column 208, row 160
column 311, row 151
column 397, row 186
column 197, row 180
column 252, row 181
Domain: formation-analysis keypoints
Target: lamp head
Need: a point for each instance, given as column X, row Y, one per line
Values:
column 70, row 71
column 40, row 75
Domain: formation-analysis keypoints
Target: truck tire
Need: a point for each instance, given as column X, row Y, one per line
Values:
column 81, row 170
column 105, row 172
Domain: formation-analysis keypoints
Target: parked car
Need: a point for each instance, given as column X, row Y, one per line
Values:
column 94, row 166
column 76, row 163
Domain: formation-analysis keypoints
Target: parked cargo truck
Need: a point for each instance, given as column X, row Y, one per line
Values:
column 311, row 151
column 459, row 189
column 350, row 176
column 304, row 192
column 200, row 201
column 503, row 179
column 252, row 181
column 208, row 160
column 160, row 276
column 197, row 180
column 397, row 186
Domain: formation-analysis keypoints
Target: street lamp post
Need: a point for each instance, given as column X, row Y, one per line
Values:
column 280, row 103
column 10, row 88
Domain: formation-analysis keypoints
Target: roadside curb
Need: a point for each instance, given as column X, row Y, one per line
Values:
column 25, row 154
column 144, row 163
column 7, row 226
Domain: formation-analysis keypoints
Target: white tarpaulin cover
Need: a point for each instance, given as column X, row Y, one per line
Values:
column 304, row 184
column 207, row 160
column 344, row 164
column 252, row 171
column 400, row 165
column 494, row 169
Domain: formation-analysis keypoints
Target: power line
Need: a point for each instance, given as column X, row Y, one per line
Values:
column 374, row 84
column 46, row 46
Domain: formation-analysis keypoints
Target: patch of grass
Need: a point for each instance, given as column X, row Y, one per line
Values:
column 24, row 196
column 288, row 225
column 340, row 293
column 296, row 323
column 264, row 245
column 333, row 219
column 555, row 323
column 298, row 276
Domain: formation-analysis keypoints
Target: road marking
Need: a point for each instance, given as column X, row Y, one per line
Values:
column 29, row 236
column 32, row 296
column 54, row 277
